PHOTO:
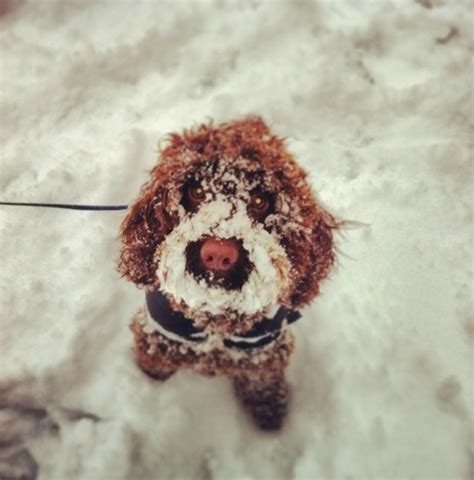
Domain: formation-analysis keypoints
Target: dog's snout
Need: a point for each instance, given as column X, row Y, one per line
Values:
column 219, row 255
column 219, row 262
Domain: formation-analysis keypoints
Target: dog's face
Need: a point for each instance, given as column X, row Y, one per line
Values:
column 227, row 227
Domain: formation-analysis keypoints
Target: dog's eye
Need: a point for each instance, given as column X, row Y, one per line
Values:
column 260, row 202
column 196, row 193
column 193, row 193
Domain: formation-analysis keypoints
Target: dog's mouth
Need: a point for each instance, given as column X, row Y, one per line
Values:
column 220, row 263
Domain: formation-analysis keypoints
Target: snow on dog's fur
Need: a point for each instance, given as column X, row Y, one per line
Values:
column 267, row 281
column 233, row 181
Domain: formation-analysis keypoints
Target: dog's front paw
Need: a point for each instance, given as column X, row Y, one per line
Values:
column 269, row 415
column 154, row 369
column 158, row 375
column 265, row 398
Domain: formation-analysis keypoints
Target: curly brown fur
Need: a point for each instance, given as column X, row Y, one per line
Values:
column 249, row 154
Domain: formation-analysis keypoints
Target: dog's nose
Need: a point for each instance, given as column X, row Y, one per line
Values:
column 219, row 255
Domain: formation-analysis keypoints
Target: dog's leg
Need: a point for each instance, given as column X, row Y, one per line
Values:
column 152, row 352
column 265, row 394
column 152, row 366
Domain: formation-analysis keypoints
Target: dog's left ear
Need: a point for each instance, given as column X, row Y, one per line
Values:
column 147, row 223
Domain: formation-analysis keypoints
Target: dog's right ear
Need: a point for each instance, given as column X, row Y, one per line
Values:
column 143, row 229
column 313, row 259
column 323, row 245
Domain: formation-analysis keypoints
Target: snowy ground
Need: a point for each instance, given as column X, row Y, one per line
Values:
column 375, row 98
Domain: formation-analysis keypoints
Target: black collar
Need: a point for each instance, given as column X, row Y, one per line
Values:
column 177, row 324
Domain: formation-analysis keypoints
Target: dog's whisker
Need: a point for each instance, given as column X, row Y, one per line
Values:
column 351, row 224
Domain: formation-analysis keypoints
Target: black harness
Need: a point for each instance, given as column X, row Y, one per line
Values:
column 264, row 332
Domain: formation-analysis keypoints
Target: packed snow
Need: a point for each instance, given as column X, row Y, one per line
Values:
column 375, row 100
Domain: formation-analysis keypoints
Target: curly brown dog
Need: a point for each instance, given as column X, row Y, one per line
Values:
column 229, row 242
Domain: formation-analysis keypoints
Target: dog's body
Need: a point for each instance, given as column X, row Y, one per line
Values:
column 229, row 242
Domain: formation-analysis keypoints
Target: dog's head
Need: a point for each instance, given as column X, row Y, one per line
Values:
column 227, row 226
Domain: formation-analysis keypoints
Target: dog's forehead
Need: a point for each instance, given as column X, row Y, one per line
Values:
column 222, row 172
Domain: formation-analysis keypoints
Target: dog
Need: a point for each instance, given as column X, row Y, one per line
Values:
column 228, row 241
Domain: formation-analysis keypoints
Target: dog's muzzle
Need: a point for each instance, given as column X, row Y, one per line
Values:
column 218, row 260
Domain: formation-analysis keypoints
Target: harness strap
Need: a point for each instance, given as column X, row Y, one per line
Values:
column 178, row 326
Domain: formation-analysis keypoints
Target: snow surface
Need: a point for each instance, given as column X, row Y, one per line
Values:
column 375, row 98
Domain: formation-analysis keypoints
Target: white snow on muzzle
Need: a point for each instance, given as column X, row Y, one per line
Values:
column 267, row 283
